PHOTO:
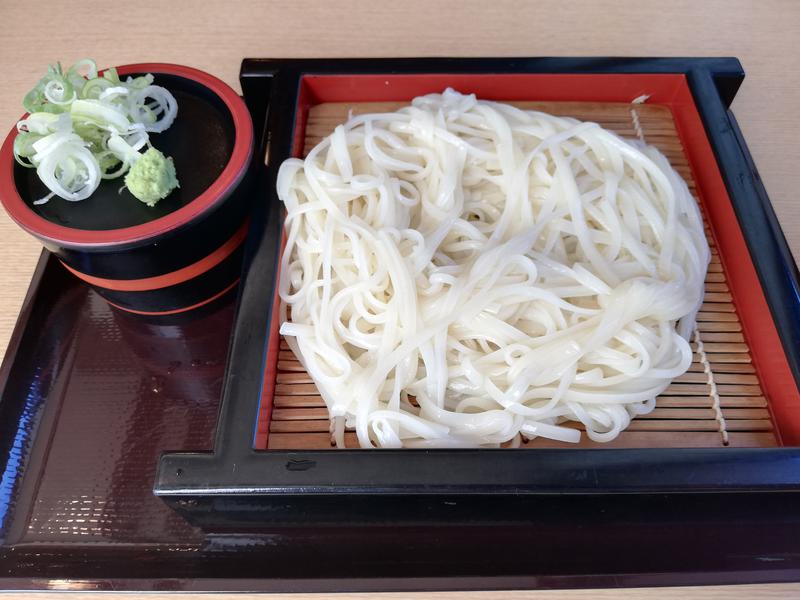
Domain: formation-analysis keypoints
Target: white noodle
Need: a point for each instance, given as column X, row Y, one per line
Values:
column 461, row 273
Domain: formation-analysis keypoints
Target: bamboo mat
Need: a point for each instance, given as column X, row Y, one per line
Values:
column 687, row 414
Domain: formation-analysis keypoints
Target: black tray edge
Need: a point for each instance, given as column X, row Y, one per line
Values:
column 713, row 82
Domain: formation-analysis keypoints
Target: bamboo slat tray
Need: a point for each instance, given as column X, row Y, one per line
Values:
column 718, row 403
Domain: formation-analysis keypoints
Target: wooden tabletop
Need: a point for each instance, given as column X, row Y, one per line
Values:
column 742, row 592
column 215, row 36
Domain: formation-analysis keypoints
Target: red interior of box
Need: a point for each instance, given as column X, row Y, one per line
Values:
column 672, row 91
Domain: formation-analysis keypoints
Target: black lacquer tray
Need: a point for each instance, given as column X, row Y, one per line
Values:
column 91, row 398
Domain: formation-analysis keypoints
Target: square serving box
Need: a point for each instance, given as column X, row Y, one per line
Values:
column 90, row 398
column 272, row 463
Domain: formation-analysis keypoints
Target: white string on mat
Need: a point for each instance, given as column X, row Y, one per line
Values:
column 637, row 126
column 462, row 273
column 713, row 393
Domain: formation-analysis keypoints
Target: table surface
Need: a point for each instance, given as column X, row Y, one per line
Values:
column 215, row 36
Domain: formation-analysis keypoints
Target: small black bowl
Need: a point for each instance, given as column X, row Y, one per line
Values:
column 185, row 251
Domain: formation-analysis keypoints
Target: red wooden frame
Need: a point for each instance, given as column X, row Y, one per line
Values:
column 670, row 90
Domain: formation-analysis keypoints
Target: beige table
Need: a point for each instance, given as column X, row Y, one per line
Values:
column 216, row 35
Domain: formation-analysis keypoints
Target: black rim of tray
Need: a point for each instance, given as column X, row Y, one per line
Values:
column 321, row 483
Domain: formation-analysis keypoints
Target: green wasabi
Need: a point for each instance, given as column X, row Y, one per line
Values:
column 152, row 177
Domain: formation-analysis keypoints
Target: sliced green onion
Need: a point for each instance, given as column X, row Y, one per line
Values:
column 112, row 76
column 103, row 114
column 163, row 107
column 122, row 149
column 113, row 93
column 91, row 69
column 107, row 161
column 66, row 167
column 139, row 83
column 40, row 122
column 23, row 147
column 92, row 89
column 84, row 127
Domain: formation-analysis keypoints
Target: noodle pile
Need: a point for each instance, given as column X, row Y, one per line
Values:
column 462, row 273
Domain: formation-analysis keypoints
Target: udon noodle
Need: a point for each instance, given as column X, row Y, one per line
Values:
column 463, row 273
